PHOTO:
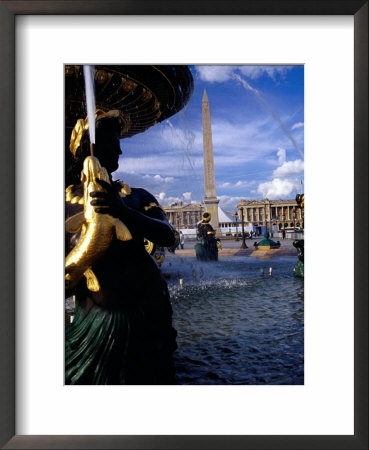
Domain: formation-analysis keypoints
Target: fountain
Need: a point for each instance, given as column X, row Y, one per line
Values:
column 266, row 243
column 143, row 94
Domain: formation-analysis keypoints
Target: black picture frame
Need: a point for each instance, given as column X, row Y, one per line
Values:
column 8, row 10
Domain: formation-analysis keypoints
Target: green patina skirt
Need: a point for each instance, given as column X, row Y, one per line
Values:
column 113, row 347
column 124, row 335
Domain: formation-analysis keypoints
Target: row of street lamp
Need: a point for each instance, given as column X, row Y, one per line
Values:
column 243, row 245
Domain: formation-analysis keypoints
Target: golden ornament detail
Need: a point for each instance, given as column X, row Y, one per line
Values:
column 71, row 198
column 124, row 189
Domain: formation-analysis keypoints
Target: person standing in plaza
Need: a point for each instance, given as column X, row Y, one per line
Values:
column 181, row 240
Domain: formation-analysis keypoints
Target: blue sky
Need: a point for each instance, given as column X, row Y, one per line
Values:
column 257, row 115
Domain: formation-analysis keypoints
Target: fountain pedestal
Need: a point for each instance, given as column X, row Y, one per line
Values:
column 266, row 243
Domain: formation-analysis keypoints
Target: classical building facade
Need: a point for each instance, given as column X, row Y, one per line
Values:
column 280, row 213
column 182, row 216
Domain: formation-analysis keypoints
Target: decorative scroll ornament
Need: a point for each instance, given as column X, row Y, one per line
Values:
column 124, row 189
column 70, row 197
column 154, row 205
column 149, row 247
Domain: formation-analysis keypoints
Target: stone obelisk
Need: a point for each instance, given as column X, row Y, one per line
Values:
column 210, row 199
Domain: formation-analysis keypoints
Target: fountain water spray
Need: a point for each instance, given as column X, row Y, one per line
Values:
column 266, row 105
column 88, row 72
column 187, row 139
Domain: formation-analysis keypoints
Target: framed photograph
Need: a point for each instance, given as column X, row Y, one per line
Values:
column 225, row 258
column 326, row 405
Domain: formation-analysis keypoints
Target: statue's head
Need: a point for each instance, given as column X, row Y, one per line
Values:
column 206, row 217
column 300, row 200
column 107, row 143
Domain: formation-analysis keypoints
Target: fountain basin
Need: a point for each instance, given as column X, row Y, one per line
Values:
column 143, row 94
column 235, row 324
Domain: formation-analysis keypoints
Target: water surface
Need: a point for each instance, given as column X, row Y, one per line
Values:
column 235, row 325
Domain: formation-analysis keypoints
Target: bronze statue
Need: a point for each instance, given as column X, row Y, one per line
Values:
column 207, row 248
column 122, row 331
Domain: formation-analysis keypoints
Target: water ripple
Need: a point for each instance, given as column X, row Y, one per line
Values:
column 234, row 325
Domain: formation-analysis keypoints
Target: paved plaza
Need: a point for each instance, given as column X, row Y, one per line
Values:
column 232, row 247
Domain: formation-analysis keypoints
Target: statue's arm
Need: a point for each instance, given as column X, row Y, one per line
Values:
column 149, row 222
column 153, row 221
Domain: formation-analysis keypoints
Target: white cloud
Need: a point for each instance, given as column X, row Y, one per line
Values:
column 242, row 184
column 297, row 125
column 276, row 189
column 255, row 72
column 225, row 185
column 229, row 203
column 168, row 201
column 213, row 74
column 237, row 184
column 281, row 155
column 289, row 168
column 159, row 178
column 284, row 182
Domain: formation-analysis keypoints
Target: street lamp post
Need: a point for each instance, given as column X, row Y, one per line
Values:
column 302, row 218
column 280, row 221
column 236, row 216
column 243, row 245
column 270, row 220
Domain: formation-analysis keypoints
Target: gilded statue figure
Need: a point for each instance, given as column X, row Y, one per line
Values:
column 122, row 331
